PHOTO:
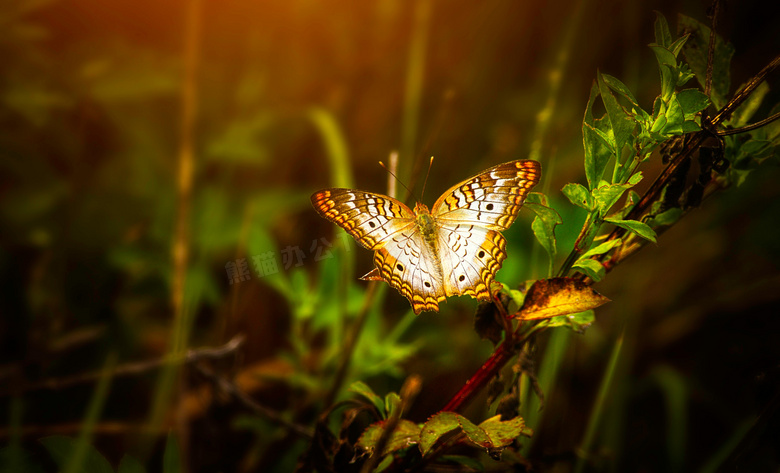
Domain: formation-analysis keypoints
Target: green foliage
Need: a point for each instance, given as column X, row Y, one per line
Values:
column 492, row 434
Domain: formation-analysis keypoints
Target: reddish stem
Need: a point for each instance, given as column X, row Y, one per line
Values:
column 484, row 374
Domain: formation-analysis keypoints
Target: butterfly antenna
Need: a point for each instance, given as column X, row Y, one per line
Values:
column 393, row 159
column 430, row 164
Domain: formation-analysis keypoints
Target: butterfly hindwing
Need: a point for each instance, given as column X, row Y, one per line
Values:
column 470, row 257
column 491, row 199
column 370, row 218
column 412, row 267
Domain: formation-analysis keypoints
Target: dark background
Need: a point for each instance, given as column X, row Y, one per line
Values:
column 92, row 100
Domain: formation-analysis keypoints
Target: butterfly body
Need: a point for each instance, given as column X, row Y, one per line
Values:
column 455, row 248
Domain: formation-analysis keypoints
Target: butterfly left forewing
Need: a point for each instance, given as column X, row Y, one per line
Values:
column 372, row 219
column 491, row 199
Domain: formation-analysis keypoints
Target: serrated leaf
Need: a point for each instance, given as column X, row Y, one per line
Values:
column 361, row 388
column 622, row 123
column 639, row 228
column 503, row 433
column 592, row 268
column 578, row 322
column 692, row 101
column 438, row 425
column 474, row 433
column 405, row 434
column 558, row 296
column 578, row 195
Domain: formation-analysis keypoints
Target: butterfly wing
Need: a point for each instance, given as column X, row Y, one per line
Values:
column 491, row 199
column 381, row 223
column 412, row 267
column 372, row 219
column 470, row 216
column 470, row 257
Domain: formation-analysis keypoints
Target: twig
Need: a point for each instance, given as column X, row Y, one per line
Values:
column 231, row 389
column 408, row 393
column 130, row 369
column 751, row 127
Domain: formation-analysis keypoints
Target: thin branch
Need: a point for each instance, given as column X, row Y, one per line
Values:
column 231, row 389
column 132, row 369
column 751, row 127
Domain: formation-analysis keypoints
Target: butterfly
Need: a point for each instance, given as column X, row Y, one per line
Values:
column 454, row 249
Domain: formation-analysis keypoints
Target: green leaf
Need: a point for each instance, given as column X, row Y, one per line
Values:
column 474, row 433
column 748, row 108
column 359, row 387
column 438, row 425
column 607, row 195
column 667, row 217
column 659, row 125
column 62, row 449
column 674, row 118
column 544, row 224
column 596, row 146
column 677, row 46
column 592, row 268
column 692, row 101
column 662, row 34
column 622, row 90
column 578, row 195
column 405, row 434
column 171, row 461
column 639, row 228
column 602, row 248
column 392, row 404
column 695, row 52
column 503, row 433
column 621, row 122
column 664, row 56
column 130, row 464
column 690, row 126
column 578, row 322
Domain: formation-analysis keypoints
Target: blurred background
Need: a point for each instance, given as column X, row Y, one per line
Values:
column 156, row 163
